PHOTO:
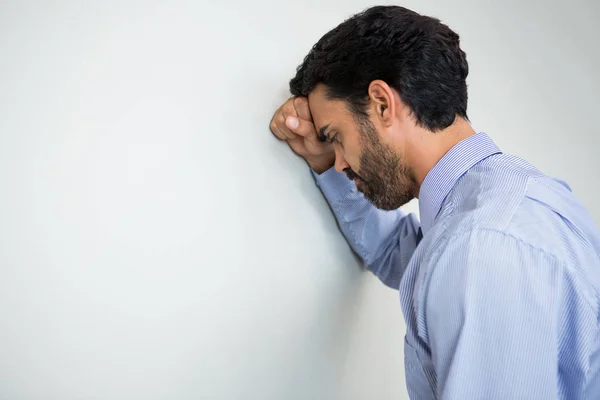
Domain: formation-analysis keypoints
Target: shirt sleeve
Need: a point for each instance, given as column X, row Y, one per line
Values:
column 491, row 309
column 385, row 240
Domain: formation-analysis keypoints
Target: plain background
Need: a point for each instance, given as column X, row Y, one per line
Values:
column 157, row 242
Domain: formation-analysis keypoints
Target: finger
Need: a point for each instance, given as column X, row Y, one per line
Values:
column 277, row 132
column 280, row 123
column 308, row 131
column 275, row 129
column 302, row 108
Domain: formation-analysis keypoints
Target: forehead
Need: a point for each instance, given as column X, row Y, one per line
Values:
column 327, row 112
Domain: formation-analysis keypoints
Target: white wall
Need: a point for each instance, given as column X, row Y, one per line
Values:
column 156, row 242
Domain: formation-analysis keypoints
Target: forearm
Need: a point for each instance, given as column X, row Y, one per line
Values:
column 385, row 240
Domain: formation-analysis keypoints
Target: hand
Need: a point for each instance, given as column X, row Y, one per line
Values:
column 293, row 123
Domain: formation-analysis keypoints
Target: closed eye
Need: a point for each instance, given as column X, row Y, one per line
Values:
column 334, row 138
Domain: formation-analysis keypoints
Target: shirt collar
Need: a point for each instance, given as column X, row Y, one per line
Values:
column 444, row 175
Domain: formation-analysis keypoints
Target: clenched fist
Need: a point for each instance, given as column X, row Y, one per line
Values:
column 293, row 123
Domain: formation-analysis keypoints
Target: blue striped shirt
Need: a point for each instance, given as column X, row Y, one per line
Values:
column 501, row 296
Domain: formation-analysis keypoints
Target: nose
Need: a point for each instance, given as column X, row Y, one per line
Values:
column 340, row 162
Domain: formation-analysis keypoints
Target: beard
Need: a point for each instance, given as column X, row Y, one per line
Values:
column 385, row 179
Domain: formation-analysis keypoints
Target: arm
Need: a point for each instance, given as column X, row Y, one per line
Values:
column 385, row 240
column 491, row 305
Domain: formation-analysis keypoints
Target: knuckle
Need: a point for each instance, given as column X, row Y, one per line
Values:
column 281, row 119
column 300, row 101
column 288, row 108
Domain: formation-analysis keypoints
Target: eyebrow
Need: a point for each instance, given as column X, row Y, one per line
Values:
column 322, row 133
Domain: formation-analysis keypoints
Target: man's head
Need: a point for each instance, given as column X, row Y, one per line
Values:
column 373, row 82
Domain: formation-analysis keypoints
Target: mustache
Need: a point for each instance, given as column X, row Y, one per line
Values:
column 352, row 175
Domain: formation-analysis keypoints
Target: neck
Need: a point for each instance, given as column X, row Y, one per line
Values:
column 427, row 148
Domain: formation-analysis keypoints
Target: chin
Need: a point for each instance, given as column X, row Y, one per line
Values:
column 388, row 204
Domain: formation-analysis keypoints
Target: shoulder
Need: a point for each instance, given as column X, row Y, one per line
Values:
column 508, row 226
column 505, row 193
column 488, row 195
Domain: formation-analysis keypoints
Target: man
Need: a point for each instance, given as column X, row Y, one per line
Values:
column 500, row 280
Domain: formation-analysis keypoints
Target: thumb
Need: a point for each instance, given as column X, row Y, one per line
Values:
column 300, row 126
column 292, row 123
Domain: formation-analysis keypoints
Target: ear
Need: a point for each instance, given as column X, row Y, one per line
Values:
column 382, row 99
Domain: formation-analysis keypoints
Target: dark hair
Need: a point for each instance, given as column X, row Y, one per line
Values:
column 417, row 55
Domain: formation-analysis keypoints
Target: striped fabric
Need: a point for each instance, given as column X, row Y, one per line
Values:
column 501, row 296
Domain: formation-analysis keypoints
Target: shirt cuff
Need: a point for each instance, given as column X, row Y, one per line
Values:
column 334, row 185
